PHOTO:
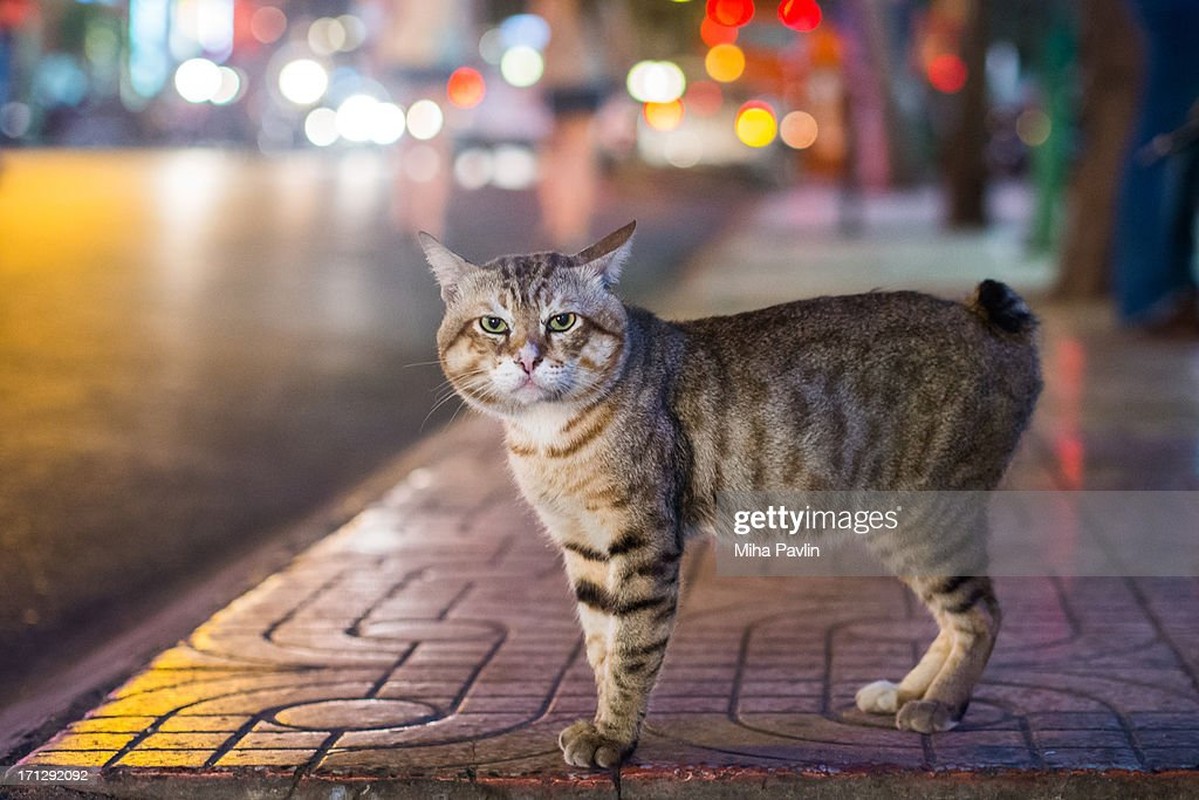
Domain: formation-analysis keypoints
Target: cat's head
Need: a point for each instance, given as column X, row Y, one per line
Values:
column 523, row 330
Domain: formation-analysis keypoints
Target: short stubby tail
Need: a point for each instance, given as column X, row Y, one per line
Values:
column 999, row 305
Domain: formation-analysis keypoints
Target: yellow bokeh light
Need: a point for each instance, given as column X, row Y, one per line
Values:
column 664, row 116
column 799, row 130
column 756, row 125
column 725, row 63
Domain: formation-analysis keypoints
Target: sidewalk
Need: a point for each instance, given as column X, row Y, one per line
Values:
column 429, row 648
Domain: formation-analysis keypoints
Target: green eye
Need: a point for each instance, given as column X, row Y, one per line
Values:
column 493, row 325
column 561, row 322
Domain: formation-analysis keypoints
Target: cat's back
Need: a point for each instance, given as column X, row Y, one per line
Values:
column 859, row 390
column 888, row 337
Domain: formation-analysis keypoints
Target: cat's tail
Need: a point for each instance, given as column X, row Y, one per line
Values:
column 999, row 305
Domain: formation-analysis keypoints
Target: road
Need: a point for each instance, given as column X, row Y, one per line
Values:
column 200, row 347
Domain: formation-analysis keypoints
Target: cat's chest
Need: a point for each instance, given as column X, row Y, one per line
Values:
column 558, row 459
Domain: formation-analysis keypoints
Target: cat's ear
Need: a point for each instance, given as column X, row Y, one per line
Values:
column 448, row 267
column 606, row 257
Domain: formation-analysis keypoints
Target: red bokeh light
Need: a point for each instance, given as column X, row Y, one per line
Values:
column 713, row 33
column 704, row 98
column 15, row 13
column 947, row 73
column 800, row 15
column 731, row 13
column 466, row 87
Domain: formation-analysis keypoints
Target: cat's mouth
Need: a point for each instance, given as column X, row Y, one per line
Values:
column 528, row 391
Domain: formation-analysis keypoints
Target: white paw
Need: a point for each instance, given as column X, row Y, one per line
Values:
column 925, row 716
column 880, row 697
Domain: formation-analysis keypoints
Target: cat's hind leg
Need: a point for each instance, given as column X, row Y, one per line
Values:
column 968, row 614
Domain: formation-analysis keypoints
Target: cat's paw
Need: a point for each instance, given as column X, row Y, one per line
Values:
column 584, row 746
column 925, row 716
column 880, row 697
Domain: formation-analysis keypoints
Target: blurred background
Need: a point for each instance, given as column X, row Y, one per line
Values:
column 214, row 321
column 876, row 93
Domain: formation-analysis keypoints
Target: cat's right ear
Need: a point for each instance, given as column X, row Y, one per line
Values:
column 448, row 267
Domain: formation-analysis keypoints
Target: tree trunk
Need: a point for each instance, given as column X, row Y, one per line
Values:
column 1111, row 56
column 965, row 153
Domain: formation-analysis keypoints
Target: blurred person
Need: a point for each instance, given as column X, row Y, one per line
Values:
column 576, row 82
column 1154, row 240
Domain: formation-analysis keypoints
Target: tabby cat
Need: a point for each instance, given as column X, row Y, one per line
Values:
column 621, row 428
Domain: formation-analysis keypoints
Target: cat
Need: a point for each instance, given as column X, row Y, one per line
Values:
column 621, row 428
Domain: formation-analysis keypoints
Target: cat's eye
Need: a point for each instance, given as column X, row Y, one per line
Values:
column 493, row 325
column 560, row 323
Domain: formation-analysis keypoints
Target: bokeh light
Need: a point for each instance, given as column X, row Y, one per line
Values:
column 425, row 119
column 525, row 30
column 755, row 124
column 466, row 87
column 733, row 13
column 326, row 36
column 388, row 124
column 267, row 24
column 197, row 80
column 355, row 32
column 947, row 73
column 473, row 168
column 713, row 33
column 356, row 117
column 230, row 89
column 514, row 167
column 684, row 150
column 799, row 130
column 663, row 116
column 320, row 127
column 656, row 82
column 800, row 15
column 1033, row 126
column 521, row 66
column 491, row 46
column 725, row 63
column 15, row 119
column 704, row 98
column 303, row 81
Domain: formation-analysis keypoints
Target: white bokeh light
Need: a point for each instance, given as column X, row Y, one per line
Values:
column 514, row 167
column 320, row 126
column 522, row 66
column 473, row 168
column 230, row 88
column 656, row 82
column 197, row 80
column 356, row 117
column 303, row 81
column 425, row 119
column 388, row 124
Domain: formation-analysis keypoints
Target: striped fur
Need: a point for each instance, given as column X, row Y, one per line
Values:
column 622, row 429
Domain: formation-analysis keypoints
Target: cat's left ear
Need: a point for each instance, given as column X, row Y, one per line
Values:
column 448, row 267
column 606, row 257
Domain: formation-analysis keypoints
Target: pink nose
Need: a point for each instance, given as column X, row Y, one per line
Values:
column 528, row 360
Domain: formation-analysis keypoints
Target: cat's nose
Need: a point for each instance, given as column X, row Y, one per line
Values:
column 528, row 357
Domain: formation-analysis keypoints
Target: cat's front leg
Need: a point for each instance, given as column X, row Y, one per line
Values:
column 627, row 599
